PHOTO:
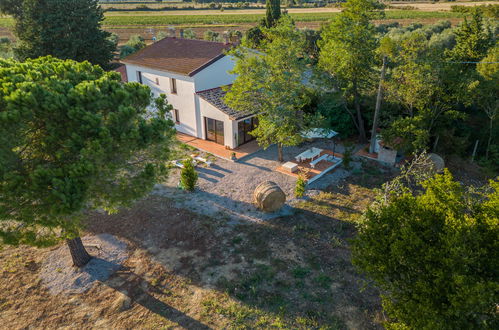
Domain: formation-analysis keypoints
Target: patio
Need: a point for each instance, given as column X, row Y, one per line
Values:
column 313, row 172
column 226, row 188
column 218, row 149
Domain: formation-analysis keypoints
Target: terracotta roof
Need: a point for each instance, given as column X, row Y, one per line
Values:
column 122, row 70
column 183, row 56
column 215, row 97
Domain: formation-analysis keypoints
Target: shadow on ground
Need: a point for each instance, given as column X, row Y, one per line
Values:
column 296, row 269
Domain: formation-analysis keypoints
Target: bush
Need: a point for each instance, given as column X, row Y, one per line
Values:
column 136, row 42
column 161, row 35
column 301, row 186
column 189, row 34
column 433, row 252
column 6, row 50
column 126, row 50
column 188, row 176
column 211, row 35
column 254, row 37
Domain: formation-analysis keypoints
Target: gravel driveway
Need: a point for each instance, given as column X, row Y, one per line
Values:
column 226, row 188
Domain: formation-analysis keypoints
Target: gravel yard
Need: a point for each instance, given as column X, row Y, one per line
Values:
column 226, row 188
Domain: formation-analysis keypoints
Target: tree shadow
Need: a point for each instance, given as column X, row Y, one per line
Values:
column 315, row 243
column 211, row 172
column 220, row 168
column 132, row 287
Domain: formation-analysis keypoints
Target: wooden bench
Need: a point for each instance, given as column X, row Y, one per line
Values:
column 321, row 158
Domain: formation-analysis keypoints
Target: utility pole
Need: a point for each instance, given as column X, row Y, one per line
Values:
column 372, row 146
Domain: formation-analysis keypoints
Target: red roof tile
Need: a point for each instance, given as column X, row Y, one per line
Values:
column 182, row 56
column 122, row 70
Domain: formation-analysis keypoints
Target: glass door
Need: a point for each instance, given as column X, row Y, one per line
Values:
column 219, row 128
column 244, row 127
column 214, row 130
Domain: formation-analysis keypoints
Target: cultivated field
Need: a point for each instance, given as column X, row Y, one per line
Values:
column 126, row 23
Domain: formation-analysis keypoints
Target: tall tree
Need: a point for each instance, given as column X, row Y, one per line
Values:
column 67, row 29
column 434, row 254
column 73, row 137
column 348, row 49
column 272, row 13
column 473, row 40
column 271, row 84
column 417, row 83
column 485, row 89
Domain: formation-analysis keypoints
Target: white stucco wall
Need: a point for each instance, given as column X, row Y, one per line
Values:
column 209, row 111
column 215, row 75
column 184, row 100
column 191, row 110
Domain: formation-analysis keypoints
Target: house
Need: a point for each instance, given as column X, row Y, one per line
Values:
column 191, row 73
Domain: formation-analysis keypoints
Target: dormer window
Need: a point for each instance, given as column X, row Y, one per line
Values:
column 173, row 85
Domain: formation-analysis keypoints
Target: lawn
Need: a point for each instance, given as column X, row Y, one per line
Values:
column 197, row 272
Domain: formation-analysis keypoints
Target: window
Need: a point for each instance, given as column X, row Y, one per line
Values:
column 139, row 76
column 176, row 117
column 173, row 85
column 157, row 81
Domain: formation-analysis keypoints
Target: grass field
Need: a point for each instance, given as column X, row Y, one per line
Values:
column 145, row 20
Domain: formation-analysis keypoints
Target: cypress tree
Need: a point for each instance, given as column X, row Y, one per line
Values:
column 273, row 13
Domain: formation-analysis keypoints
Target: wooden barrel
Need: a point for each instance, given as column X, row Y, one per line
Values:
column 268, row 196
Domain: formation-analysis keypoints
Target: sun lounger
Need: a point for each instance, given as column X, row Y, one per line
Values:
column 179, row 164
column 201, row 160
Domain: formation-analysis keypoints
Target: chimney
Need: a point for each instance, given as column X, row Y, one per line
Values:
column 181, row 33
column 171, row 32
column 226, row 37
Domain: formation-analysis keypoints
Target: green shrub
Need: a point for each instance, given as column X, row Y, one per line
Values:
column 301, row 186
column 136, row 41
column 189, row 34
column 126, row 50
column 188, row 176
column 433, row 253
column 211, row 35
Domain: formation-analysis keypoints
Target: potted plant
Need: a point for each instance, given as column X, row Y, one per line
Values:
column 233, row 156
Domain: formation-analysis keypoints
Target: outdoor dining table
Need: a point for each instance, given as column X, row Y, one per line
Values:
column 308, row 154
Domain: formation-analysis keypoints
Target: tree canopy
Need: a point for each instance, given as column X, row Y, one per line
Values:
column 348, row 51
column 271, row 84
column 66, row 29
column 433, row 251
column 73, row 137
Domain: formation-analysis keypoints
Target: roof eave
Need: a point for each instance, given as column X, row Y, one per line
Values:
column 156, row 68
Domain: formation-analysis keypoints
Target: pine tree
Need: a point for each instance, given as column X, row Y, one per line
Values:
column 73, row 138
